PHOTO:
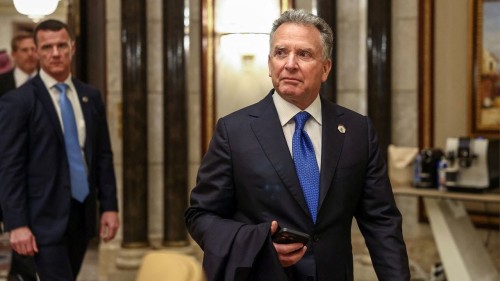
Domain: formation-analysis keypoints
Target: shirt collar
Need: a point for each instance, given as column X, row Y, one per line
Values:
column 286, row 110
column 50, row 82
column 22, row 76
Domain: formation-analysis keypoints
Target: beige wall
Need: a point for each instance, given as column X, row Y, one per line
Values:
column 451, row 80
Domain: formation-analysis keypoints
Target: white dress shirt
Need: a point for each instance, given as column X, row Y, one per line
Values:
column 21, row 77
column 73, row 98
column 286, row 112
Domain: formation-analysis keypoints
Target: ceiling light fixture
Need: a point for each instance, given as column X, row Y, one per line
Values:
column 36, row 9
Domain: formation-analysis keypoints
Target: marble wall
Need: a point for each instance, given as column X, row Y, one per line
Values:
column 107, row 252
column 155, row 120
column 404, row 72
column 351, row 55
column 193, row 75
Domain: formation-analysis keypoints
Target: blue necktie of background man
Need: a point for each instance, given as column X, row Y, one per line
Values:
column 305, row 163
column 78, row 174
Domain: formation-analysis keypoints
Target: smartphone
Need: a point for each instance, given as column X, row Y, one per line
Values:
column 287, row 236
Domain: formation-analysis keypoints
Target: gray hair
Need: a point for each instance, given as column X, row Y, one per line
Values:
column 304, row 18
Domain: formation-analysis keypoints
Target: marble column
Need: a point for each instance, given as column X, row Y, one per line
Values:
column 379, row 69
column 426, row 73
column 327, row 9
column 175, row 125
column 135, row 172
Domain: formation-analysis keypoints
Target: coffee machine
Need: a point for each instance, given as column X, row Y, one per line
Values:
column 473, row 164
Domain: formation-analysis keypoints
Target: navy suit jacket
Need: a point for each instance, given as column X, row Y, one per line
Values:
column 35, row 185
column 7, row 82
column 247, row 179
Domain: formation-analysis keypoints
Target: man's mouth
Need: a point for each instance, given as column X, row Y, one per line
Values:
column 290, row 79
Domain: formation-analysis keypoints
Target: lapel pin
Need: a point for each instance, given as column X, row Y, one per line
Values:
column 341, row 128
column 85, row 99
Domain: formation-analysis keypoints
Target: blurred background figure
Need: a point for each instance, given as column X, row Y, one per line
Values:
column 25, row 63
column 55, row 126
column 5, row 63
column 25, row 67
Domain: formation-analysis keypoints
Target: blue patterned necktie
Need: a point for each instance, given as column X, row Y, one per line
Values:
column 305, row 163
column 78, row 175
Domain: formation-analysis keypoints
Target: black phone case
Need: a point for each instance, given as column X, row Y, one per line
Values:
column 287, row 236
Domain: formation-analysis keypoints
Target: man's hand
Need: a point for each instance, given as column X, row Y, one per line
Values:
column 23, row 241
column 288, row 254
column 109, row 225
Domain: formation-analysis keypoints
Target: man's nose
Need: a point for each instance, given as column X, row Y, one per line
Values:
column 55, row 50
column 291, row 62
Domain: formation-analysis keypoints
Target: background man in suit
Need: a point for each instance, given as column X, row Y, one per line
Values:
column 250, row 180
column 25, row 66
column 55, row 161
column 25, row 63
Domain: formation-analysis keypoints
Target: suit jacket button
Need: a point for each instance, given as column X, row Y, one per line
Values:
column 315, row 238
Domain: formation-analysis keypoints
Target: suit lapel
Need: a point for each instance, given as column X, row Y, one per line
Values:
column 11, row 82
column 87, row 114
column 332, row 142
column 44, row 97
column 269, row 133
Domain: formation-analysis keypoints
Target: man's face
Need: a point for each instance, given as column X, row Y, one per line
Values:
column 55, row 50
column 296, row 66
column 25, row 56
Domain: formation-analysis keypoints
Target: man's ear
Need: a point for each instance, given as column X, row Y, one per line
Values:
column 327, row 66
column 73, row 48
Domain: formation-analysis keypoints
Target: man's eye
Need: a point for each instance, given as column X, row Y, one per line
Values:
column 279, row 53
column 62, row 46
column 305, row 54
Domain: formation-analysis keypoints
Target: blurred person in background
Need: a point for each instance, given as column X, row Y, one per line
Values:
column 25, row 67
column 56, row 162
column 25, row 63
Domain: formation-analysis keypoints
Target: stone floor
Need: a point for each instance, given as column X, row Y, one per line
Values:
column 89, row 269
column 418, row 236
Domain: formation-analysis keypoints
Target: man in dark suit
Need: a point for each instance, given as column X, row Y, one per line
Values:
column 25, row 63
column 56, row 162
column 25, row 66
column 251, row 181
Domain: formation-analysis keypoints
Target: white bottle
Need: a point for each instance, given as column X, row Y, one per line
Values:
column 441, row 171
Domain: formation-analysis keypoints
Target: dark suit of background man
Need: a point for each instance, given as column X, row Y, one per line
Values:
column 247, row 183
column 35, row 191
column 23, row 53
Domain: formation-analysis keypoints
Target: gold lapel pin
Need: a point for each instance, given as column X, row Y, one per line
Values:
column 341, row 128
column 85, row 99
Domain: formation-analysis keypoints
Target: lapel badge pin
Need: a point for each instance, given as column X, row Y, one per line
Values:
column 85, row 99
column 341, row 128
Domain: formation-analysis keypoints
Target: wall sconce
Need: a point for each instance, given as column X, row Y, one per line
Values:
column 35, row 9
